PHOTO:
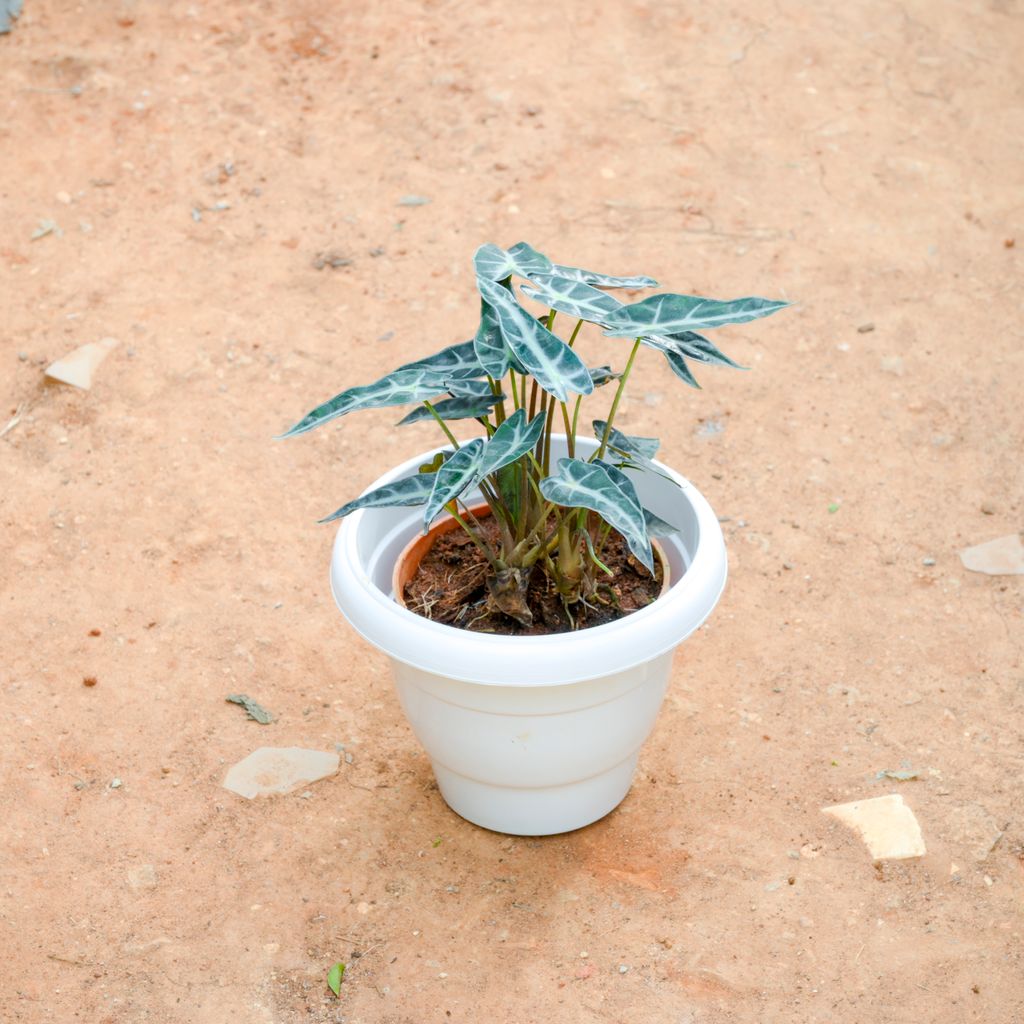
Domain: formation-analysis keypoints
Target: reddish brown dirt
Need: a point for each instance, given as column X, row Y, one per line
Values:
column 450, row 586
column 862, row 158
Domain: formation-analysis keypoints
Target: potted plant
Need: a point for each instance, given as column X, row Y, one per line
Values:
column 532, row 653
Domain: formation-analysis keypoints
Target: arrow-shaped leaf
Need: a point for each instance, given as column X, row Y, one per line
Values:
column 398, row 388
column 642, row 447
column 695, row 346
column 552, row 363
column 597, row 486
column 674, row 357
column 672, row 314
column 457, row 475
column 515, row 437
column 456, row 362
column 470, row 407
column 572, row 297
column 495, row 264
column 527, row 261
column 468, row 388
column 603, row 280
column 413, row 490
column 491, row 351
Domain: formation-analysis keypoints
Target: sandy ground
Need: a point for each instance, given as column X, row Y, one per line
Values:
column 862, row 158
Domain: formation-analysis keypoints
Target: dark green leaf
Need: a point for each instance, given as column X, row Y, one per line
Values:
column 674, row 357
column 399, row 388
column 456, row 362
column 680, row 369
column 572, row 297
column 527, row 261
column 468, row 388
column 490, row 261
column 457, row 475
column 514, row 438
column 334, row 976
column 552, row 363
column 468, row 408
column 603, row 280
column 413, row 490
column 672, row 314
column 495, row 264
column 600, row 488
column 642, row 447
column 602, row 375
column 491, row 351
column 692, row 346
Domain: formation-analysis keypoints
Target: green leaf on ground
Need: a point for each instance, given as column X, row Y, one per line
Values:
column 252, row 709
column 334, row 977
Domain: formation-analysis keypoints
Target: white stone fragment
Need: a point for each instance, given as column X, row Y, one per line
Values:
column 887, row 826
column 77, row 367
column 1003, row 556
column 142, row 876
column 272, row 770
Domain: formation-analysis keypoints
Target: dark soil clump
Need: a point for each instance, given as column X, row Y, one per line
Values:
column 449, row 587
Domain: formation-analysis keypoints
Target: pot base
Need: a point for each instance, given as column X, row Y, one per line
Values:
column 536, row 811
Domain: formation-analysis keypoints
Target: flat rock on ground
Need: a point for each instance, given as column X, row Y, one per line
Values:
column 270, row 771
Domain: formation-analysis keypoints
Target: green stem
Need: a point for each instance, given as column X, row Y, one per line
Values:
column 512, row 385
column 576, row 414
column 549, row 430
column 499, row 409
column 442, row 424
column 616, row 399
column 570, row 435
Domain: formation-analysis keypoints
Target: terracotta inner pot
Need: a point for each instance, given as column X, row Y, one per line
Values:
column 416, row 550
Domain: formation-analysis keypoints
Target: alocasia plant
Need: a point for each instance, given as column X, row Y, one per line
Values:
column 521, row 382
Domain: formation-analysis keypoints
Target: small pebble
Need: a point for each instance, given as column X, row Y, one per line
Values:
column 928, row 561
column 584, row 955
column 865, row 328
column 115, row 783
column 987, row 508
column 623, row 968
column 23, row 356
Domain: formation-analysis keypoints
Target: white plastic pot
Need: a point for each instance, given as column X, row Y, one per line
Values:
column 532, row 735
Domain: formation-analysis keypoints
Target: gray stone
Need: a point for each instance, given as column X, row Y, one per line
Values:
column 1003, row 556
column 272, row 770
